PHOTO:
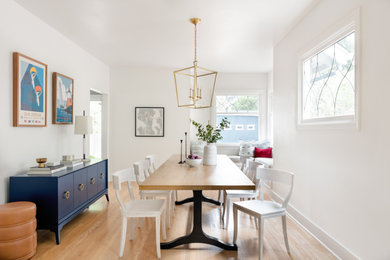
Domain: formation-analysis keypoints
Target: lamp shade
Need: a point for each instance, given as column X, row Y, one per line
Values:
column 83, row 125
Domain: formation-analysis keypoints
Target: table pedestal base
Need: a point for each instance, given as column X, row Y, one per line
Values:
column 197, row 235
column 205, row 199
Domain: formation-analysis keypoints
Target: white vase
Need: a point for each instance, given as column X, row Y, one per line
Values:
column 210, row 154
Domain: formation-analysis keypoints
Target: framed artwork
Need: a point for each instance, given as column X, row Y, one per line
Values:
column 149, row 121
column 62, row 99
column 29, row 91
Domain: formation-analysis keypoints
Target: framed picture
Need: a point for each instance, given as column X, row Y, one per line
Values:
column 62, row 99
column 29, row 91
column 149, row 121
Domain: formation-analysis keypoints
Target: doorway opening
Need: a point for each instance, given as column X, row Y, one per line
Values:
column 96, row 112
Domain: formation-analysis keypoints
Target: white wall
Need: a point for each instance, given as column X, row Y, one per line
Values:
column 143, row 87
column 25, row 33
column 342, row 182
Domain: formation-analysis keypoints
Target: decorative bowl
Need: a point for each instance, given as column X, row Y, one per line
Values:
column 41, row 162
column 194, row 162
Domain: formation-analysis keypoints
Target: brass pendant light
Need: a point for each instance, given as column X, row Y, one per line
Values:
column 195, row 86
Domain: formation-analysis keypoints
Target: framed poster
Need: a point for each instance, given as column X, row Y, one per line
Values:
column 149, row 121
column 29, row 91
column 62, row 99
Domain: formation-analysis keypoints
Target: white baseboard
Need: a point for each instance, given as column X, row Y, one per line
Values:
column 330, row 243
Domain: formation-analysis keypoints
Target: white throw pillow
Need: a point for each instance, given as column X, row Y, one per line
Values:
column 246, row 149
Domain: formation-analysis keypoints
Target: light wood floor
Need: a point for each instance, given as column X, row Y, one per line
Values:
column 95, row 234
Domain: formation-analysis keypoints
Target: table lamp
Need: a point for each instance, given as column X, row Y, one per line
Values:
column 83, row 126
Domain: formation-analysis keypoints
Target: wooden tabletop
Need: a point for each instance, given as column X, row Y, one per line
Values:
column 173, row 176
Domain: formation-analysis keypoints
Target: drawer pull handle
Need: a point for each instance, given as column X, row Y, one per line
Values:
column 102, row 175
column 67, row 194
column 81, row 187
column 93, row 180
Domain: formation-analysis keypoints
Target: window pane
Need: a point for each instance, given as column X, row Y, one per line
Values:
column 228, row 104
column 242, row 127
column 329, row 81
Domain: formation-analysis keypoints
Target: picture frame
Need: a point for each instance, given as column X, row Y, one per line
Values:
column 149, row 121
column 29, row 91
column 63, row 97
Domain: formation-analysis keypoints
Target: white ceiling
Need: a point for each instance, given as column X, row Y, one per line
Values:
column 234, row 35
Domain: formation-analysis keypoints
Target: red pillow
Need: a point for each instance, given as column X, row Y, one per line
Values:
column 266, row 153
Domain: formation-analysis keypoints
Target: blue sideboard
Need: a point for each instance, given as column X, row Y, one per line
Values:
column 61, row 196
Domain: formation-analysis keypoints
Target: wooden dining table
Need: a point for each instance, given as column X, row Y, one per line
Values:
column 174, row 176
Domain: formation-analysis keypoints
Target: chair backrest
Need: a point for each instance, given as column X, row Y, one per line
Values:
column 141, row 171
column 275, row 175
column 151, row 159
column 120, row 177
column 251, row 172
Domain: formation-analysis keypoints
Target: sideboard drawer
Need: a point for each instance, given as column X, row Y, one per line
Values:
column 65, row 195
column 102, row 174
column 80, row 187
column 92, row 181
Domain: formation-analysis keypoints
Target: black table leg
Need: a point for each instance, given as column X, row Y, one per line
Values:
column 205, row 199
column 197, row 235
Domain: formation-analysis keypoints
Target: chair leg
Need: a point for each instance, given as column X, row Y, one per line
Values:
column 285, row 233
column 224, row 208
column 235, row 224
column 168, row 212
column 131, row 229
column 257, row 222
column 158, row 237
column 123, row 236
column 227, row 212
column 261, row 234
column 164, row 230
column 173, row 202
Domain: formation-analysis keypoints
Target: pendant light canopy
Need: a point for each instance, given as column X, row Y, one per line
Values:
column 195, row 85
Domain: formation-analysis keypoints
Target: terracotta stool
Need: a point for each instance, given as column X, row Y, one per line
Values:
column 18, row 236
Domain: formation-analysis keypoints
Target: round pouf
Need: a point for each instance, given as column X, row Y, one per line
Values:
column 18, row 236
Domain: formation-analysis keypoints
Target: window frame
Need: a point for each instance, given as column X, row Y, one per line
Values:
column 262, row 113
column 334, row 34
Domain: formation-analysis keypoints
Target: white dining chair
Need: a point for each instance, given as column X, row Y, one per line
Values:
column 263, row 209
column 136, row 209
column 250, row 172
column 151, row 160
column 140, row 172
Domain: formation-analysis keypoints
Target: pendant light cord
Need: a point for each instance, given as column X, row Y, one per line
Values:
column 195, row 58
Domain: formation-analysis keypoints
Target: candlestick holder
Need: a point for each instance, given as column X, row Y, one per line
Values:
column 185, row 147
column 181, row 152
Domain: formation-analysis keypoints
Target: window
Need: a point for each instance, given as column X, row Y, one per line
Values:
column 328, row 81
column 243, row 112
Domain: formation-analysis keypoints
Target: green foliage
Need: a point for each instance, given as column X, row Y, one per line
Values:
column 245, row 103
column 208, row 133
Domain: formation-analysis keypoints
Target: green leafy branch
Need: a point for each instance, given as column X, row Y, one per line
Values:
column 208, row 133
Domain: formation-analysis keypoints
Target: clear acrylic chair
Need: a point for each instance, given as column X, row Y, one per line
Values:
column 141, row 172
column 263, row 209
column 137, row 208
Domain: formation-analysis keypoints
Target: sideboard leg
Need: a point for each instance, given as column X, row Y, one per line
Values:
column 108, row 199
column 57, row 232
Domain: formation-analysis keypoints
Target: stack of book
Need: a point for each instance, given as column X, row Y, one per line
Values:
column 72, row 163
column 46, row 170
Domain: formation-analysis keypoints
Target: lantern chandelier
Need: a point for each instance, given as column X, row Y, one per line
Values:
column 195, row 85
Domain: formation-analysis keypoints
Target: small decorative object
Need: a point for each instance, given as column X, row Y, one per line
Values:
column 211, row 136
column 29, row 91
column 41, row 162
column 195, row 86
column 83, row 126
column 193, row 160
column 62, row 99
column 149, row 122
column 67, row 157
column 181, row 152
